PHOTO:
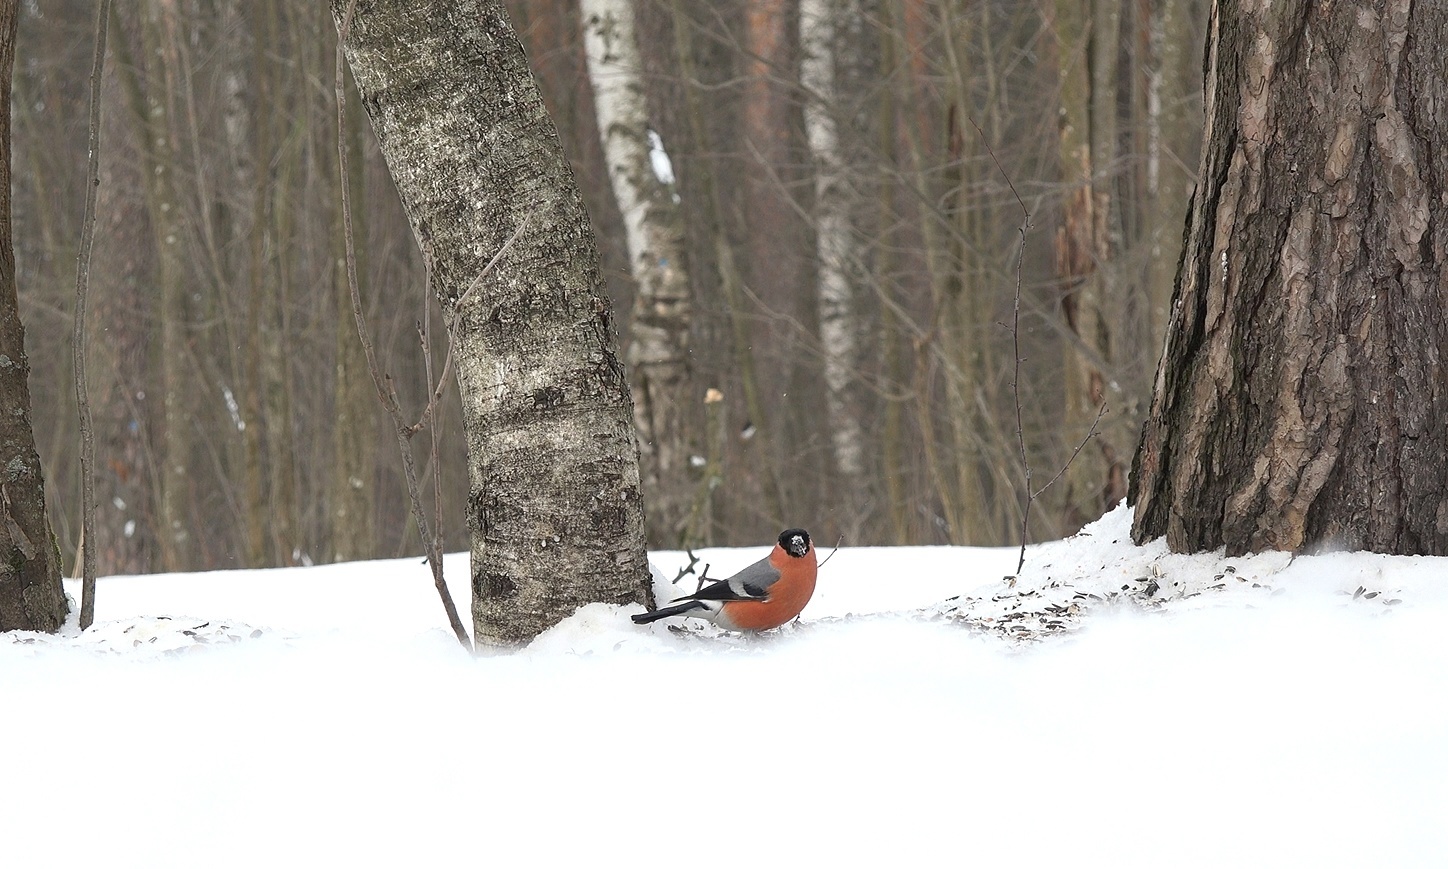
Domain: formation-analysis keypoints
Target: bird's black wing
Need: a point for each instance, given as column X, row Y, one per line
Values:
column 751, row 583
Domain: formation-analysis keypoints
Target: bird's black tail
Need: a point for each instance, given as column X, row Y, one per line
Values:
column 677, row 609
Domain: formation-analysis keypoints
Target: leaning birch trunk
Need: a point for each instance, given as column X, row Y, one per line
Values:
column 838, row 326
column 658, row 353
column 554, row 504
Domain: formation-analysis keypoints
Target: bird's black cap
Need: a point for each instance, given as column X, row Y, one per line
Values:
column 795, row 541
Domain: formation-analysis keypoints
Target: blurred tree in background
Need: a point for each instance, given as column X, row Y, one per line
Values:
column 849, row 242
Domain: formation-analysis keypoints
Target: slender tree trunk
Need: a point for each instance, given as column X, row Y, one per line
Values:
column 1085, row 39
column 1299, row 400
column 839, row 325
column 249, row 149
column 31, row 597
column 894, row 464
column 758, row 460
column 772, row 235
column 127, row 489
column 658, row 353
column 354, row 435
column 554, row 504
column 177, row 364
column 971, row 237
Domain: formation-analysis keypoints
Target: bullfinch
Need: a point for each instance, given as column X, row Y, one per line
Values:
column 764, row 595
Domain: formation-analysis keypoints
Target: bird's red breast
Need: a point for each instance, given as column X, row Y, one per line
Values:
column 787, row 596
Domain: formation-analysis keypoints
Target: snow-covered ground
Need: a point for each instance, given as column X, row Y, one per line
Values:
column 1114, row 706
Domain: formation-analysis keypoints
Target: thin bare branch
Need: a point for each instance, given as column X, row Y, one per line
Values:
column 1021, row 231
column 1090, row 433
column 78, row 344
column 385, row 392
column 441, row 382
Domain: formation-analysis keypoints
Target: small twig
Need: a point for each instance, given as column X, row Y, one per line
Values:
column 437, row 391
column 424, row 331
column 385, row 391
column 687, row 569
column 78, row 343
column 1016, row 353
column 703, row 578
column 1016, row 380
column 833, row 551
column 1090, row 433
column 1031, row 495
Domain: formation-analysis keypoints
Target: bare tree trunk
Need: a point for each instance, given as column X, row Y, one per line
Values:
column 1085, row 35
column 554, row 504
column 127, row 494
column 839, row 326
column 353, row 457
column 894, row 465
column 658, row 354
column 1299, row 400
column 31, row 597
column 772, row 268
column 758, row 460
column 972, row 236
column 248, row 148
column 157, row 110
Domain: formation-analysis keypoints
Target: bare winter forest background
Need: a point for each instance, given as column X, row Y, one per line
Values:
column 235, row 421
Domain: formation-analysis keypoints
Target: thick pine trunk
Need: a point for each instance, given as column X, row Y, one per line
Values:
column 31, row 598
column 1300, row 401
column 658, row 354
column 554, row 503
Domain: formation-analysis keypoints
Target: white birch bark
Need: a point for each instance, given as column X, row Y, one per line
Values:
column 643, row 185
column 554, row 503
column 838, row 328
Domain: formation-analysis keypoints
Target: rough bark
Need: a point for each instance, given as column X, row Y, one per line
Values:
column 31, row 597
column 1300, row 401
column 554, row 503
column 658, row 352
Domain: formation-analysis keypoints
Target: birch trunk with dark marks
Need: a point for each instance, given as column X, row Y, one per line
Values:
column 658, row 352
column 1300, row 402
column 554, row 503
column 31, row 598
